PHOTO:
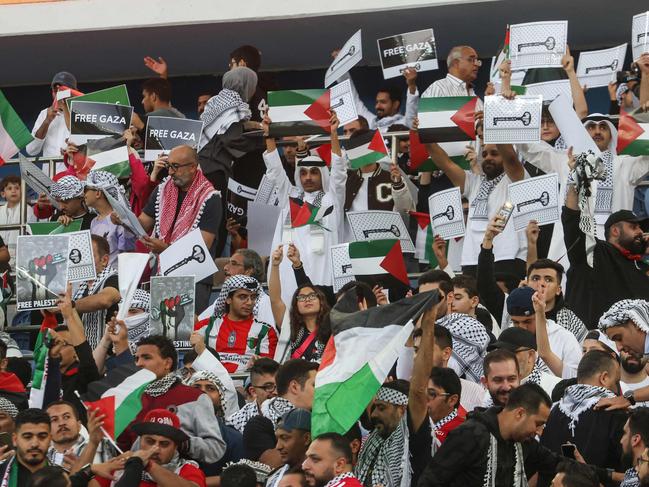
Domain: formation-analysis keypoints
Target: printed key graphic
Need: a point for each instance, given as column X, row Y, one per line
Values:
column 340, row 103
column 393, row 229
column 612, row 67
column 198, row 254
column 416, row 67
column 641, row 35
column 245, row 191
column 544, row 199
column 346, row 267
column 549, row 44
column 449, row 213
column 350, row 52
column 526, row 118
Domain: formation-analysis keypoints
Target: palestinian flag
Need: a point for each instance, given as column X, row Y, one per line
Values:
column 424, row 240
column 420, row 160
column 119, row 396
column 367, row 148
column 447, row 119
column 116, row 95
column 41, row 363
column 299, row 112
column 304, row 213
column 376, row 260
column 502, row 56
column 54, row 228
column 323, row 152
column 363, row 347
column 107, row 154
column 633, row 133
column 13, row 133
column 66, row 92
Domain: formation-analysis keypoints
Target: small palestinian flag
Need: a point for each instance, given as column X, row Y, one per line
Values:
column 367, row 148
column 420, row 160
column 119, row 396
column 66, row 92
column 13, row 133
column 633, row 133
column 37, row 394
column 424, row 240
column 299, row 112
column 107, row 154
column 304, row 213
column 502, row 56
column 447, row 119
column 363, row 347
column 379, row 262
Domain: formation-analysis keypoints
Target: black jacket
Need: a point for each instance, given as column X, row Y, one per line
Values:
column 597, row 436
column 462, row 459
column 592, row 290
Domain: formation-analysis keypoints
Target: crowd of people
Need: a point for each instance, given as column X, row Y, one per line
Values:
column 531, row 368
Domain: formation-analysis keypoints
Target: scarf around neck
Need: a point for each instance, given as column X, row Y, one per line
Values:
column 580, row 398
column 167, row 226
column 161, row 386
column 604, row 197
column 480, row 202
column 385, row 461
column 520, row 480
column 94, row 322
column 534, row 376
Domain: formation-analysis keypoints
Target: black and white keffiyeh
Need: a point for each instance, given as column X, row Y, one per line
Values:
column 240, row 419
column 340, row 479
column 579, row 398
column 436, row 425
column 214, row 379
column 636, row 310
column 107, row 183
column 479, row 203
column 470, row 340
column 141, row 300
column 392, row 396
column 161, row 386
column 534, row 376
column 631, row 478
column 67, row 188
column 231, row 284
column 226, row 102
column 94, row 322
column 8, row 407
column 520, row 480
column 276, row 407
column 385, row 461
column 604, row 198
column 571, row 322
column 262, row 471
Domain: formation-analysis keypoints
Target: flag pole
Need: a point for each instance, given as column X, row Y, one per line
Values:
column 106, row 435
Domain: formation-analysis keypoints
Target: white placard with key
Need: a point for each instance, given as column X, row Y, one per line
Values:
column 341, row 100
column 537, row 44
column 640, row 35
column 516, row 121
column 188, row 256
column 348, row 57
column 535, row 199
column 377, row 225
column 446, row 213
column 598, row 68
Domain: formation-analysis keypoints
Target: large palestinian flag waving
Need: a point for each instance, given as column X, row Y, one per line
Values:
column 447, row 119
column 363, row 347
column 13, row 133
column 633, row 133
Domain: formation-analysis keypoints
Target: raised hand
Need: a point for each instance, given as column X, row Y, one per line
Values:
column 532, row 232
column 568, row 62
column 293, row 254
column 278, row 256
column 439, row 250
column 159, row 67
column 381, row 298
column 538, row 301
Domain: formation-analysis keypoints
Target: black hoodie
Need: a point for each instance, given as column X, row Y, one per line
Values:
column 462, row 459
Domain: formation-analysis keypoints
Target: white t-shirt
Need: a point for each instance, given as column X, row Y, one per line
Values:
column 565, row 346
column 55, row 138
column 509, row 244
column 628, row 386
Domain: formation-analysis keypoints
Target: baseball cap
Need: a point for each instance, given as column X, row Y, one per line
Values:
column 626, row 216
column 161, row 422
column 514, row 338
column 297, row 418
column 519, row 302
column 64, row 78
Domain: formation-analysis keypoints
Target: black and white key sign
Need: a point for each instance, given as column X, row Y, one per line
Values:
column 410, row 50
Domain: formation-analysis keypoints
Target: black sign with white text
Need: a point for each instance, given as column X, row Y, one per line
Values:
column 410, row 50
column 165, row 133
column 93, row 120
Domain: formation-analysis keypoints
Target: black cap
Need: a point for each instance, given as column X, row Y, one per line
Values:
column 519, row 302
column 626, row 216
column 514, row 338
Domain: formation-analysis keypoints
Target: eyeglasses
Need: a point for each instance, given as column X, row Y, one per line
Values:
column 246, row 297
column 306, row 297
column 473, row 60
column 432, row 393
column 175, row 166
column 268, row 387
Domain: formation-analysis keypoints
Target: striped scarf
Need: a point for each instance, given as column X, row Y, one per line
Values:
column 520, row 480
column 385, row 461
column 434, row 426
column 168, row 226
column 534, row 376
column 604, row 198
column 479, row 203
column 94, row 322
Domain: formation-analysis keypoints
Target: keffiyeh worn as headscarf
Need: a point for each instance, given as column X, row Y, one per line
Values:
column 106, row 183
column 67, row 188
column 604, row 196
column 636, row 310
column 579, row 398
column 141, row 300
column 262, row 471
column 137, row 326
column 231, row 103
column 470, row 340
column 231, row 284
